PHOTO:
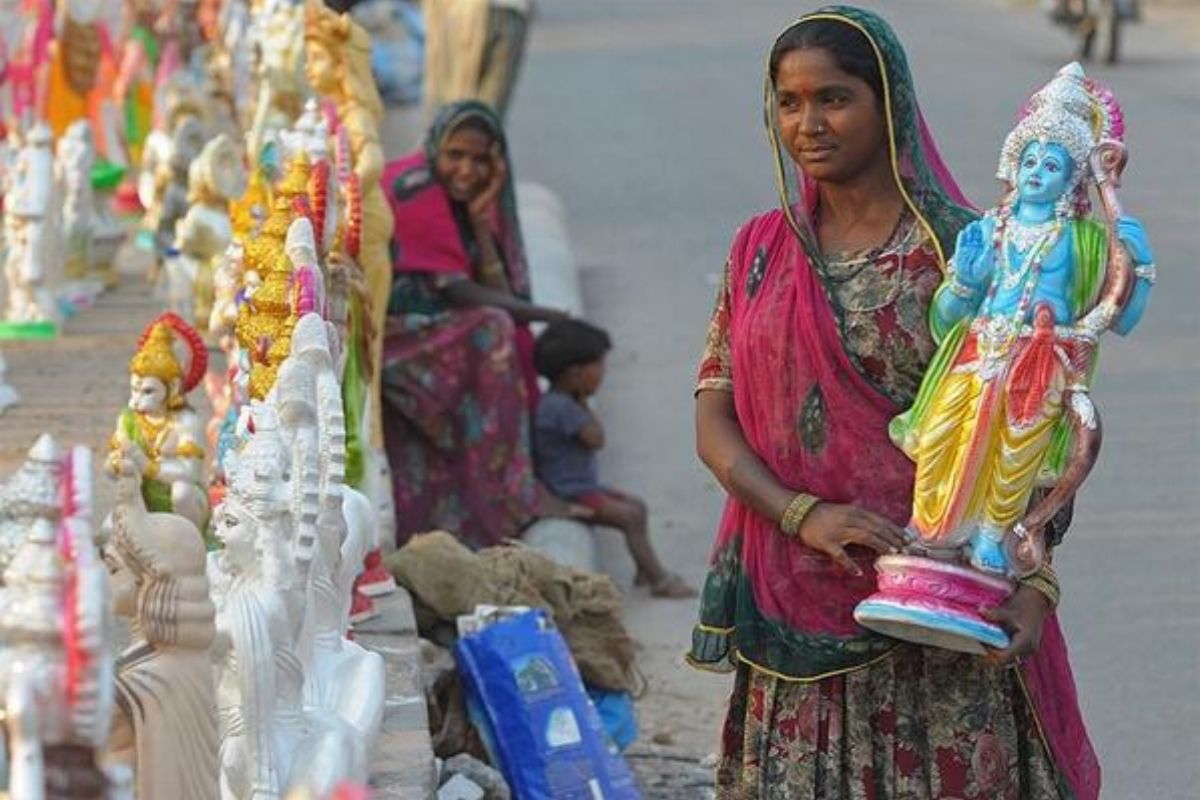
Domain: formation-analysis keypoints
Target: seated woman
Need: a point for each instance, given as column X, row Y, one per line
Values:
column 458, row 377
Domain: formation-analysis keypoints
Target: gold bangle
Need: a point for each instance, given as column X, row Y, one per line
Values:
column 1045, row 581
column 794, row 514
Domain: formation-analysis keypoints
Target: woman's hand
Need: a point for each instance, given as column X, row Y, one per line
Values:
column 1022, row 616
column 480, row 208
column 830, row 527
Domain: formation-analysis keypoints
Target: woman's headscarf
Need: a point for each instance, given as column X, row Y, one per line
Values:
column 928, row 189
column 432, row 233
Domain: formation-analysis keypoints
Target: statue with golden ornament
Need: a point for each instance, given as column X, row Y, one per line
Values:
column 215, row 178
column 1004, row 431
column 338, row 67
column 170, row 361
column 165, row 728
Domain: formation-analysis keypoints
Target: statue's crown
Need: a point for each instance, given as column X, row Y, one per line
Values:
column 1072, row 110
column 156, row 358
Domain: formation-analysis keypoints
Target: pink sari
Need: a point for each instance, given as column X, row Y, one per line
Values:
column 808, row 410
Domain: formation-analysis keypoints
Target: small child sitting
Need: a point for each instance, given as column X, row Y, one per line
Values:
column 570, row 354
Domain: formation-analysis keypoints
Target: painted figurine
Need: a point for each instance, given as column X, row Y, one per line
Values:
column 166, row 725
column 160, row 422
column 1003, row 431
column 338, row 67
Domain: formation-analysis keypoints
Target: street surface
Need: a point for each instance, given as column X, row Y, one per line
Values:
column 646, row 116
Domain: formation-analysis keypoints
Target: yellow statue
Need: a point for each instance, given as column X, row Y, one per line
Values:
column 338, row 66
column 265, row 315
column 159, row 421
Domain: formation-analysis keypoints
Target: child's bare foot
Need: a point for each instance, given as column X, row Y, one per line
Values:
column 671, row 586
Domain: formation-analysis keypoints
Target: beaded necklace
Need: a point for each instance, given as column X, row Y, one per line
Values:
column 1003, row 329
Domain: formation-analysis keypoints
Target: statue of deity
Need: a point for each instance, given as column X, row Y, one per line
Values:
column 76, row 155
column 55, row 634
column 32, row 232
column 338, row 67
column 215, row 178
column 269, row 740
column 168, row 152
column 29, row 493
column 166, row 726
column 161, row 424
column 1003, row 431
column 8, row 395
column 279, row 30
column 342, row 677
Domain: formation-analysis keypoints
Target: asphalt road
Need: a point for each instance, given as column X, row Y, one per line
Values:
column 645, row 115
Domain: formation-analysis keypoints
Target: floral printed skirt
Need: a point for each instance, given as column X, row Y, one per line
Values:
column 919, row 724
column 456, row 426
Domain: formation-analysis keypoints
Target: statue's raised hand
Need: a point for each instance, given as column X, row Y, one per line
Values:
column 973, row 264
column 1133, row 235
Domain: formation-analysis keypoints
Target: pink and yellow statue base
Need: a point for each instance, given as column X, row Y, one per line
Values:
column 935, row 603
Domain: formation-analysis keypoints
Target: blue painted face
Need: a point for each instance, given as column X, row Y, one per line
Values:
column 1045, row 172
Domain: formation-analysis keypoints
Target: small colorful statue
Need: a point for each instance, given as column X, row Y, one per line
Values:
column 1003, row 431
column 166, row 723
column 338, row 67
column 160, row 423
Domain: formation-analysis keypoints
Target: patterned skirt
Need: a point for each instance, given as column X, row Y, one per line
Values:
column 919, row 724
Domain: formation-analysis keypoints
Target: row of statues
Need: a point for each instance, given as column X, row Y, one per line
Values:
column 239, row 549
column 238, row 679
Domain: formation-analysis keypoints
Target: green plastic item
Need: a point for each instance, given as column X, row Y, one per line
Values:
column 106, row 175
column 28, row 331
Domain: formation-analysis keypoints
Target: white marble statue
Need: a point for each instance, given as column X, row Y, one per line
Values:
column 55, row 637
column 28, row 494
column 76, row 154
column 270, row 741
column 32, row 230
column 342, row 677
column 216, row 177
column 8, row 395
column 166, row 725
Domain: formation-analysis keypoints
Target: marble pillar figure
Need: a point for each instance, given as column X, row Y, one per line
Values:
column 8, row 395
column 166, row 725
column 341, row 676
column 269, row 741
column 28, row 494
column 55, row 634
column 215, row 178
column 76, row 153
column 33, row 236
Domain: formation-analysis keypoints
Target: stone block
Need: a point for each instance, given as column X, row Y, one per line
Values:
column 566, row 541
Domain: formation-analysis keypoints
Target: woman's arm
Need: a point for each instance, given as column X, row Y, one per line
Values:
column 468, row 294
column 828, row 528
column 722, row 447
